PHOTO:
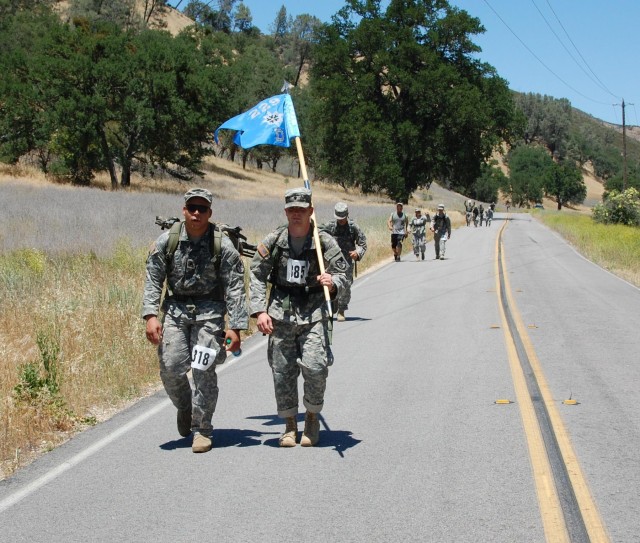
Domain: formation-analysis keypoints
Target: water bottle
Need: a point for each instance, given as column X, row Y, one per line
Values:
column 235, row 353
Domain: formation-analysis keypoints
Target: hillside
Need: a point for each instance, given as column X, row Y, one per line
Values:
column 168, row 18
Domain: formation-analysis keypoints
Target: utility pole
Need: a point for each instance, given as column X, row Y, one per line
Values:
column 624, row 147
column 624, row 151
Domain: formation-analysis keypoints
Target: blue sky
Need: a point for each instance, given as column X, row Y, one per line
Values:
column 583, row 50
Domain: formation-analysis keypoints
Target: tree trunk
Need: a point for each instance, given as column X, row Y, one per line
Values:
column 107, row 153
column 125, row 176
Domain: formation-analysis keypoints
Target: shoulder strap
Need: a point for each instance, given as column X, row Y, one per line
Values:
column 216, row 247
column 274, row 255
column 216, row 251
column 174, row 237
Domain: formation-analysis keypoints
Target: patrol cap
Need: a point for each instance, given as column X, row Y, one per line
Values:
column 299, row 197
column 341, row 211
column 198, row 193
column 440, row 206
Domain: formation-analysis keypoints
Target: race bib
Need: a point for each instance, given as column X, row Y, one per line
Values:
column 203, row 358
column 297, row 271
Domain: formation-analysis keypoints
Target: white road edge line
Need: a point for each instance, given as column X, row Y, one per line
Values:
column 89, row 451
column 54, row 473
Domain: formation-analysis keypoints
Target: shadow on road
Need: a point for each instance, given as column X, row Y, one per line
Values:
column 228, row 437
column 355, row 319
column 340, row 440
column 182, row 443
column 222, row 437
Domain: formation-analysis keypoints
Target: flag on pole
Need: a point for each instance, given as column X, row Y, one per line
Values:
column 271, row 122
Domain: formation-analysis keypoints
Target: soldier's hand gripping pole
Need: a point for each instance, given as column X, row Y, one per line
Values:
column 316, row 236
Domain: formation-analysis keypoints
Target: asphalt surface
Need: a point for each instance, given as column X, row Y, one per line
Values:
column 413, row 446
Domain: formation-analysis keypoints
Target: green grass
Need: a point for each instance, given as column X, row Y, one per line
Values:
column 614, row 247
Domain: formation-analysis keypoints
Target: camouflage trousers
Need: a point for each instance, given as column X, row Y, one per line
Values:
column 295, row 349
column 179, row 336
column 345, row 294
column 419, row 243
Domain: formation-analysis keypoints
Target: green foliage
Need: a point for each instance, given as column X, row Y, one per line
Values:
column 97, row 96
column 281, row 25
column 528, row 167
column 617, row 181
column 41, row 378
column 120, row 12
column 243, row 21
column 619, row 208
column 563, row 182
column 571, row 134
column 548, row 121
column 399, row 101
column 485, row 188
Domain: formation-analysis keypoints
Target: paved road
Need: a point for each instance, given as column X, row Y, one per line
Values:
column 414, row 446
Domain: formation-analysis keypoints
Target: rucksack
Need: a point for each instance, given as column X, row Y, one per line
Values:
column 174, row 225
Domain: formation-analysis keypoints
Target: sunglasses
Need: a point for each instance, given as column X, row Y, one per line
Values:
column 192, row 208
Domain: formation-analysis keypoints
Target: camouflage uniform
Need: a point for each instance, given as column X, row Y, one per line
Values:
column 300, row 338
column 419, row 230
column 193, row 318
column 350, row 238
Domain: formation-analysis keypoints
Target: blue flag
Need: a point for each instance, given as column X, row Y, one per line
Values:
column 271, row 122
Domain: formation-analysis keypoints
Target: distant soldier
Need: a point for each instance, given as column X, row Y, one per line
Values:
column 441, row 228
column 475, row 213
column 295, row 316
column 468, row 209
column 202, row 288
column 418, row 227
column 488, row 216
column 353, row 244
column 398, row 223
column 481, row 213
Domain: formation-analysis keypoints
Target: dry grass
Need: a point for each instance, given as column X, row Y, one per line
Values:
column 72, row 346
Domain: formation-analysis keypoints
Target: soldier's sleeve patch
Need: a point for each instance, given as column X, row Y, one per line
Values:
column 240, row 266
column 263, row 251
column 341, row 264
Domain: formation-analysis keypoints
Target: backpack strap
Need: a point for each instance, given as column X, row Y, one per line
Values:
column 174, row 237
column 216, row 251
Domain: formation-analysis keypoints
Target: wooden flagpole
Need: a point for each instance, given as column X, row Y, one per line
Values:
column 316, row 235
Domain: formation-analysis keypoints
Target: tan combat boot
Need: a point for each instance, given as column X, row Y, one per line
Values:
column 201, row 443
column 341, row 316
column 288, row 439
column 311, row 433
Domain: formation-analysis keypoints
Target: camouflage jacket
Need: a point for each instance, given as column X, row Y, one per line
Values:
column 297, row 303
column 192, row 276
column 349, row 237
column 419, row 225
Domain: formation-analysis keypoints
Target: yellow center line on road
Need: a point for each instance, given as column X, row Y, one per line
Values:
column 554, row 522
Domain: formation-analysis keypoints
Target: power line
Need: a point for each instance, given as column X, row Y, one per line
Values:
column 540, row 60
column 603, row 86
column 593, row 77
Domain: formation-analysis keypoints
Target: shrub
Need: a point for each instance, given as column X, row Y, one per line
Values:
column 619, row 208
